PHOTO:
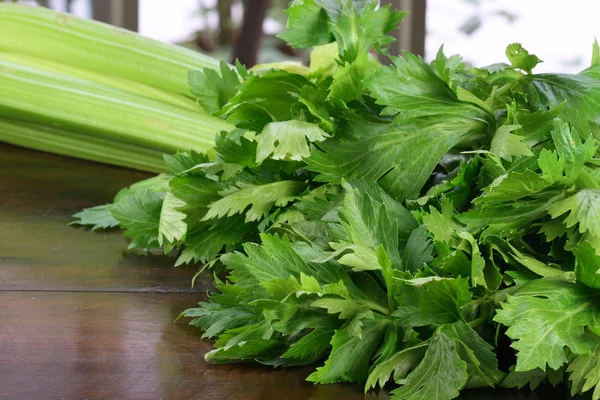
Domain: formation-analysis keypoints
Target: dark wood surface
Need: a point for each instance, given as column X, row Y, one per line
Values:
column 82, row 318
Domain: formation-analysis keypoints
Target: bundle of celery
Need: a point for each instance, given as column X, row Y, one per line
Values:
column 435, row 225
column 89, row 90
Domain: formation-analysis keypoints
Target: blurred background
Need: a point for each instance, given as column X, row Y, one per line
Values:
column 561, row 34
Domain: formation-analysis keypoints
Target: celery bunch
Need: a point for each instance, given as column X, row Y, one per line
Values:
column 89, row 90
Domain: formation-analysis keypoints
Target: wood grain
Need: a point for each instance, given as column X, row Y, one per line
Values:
column 125, row 346
column 39, row 193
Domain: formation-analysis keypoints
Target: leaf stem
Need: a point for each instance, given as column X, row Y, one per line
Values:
column 500, row 296
column 586, row 181
column 478, row 322
column 377, row 307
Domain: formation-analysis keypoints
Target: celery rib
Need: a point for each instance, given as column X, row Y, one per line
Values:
column 43, row 97
column 126, row 85
column 64, row 142
column 98, row 47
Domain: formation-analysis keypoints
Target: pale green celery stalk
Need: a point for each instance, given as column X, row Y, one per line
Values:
column 64, row 142
column 94, row 46
column 97, row 110
column 126, row 85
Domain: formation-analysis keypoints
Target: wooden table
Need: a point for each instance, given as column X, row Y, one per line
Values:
column 82, row 318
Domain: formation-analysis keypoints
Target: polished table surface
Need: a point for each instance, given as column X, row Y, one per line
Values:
column 82, row 318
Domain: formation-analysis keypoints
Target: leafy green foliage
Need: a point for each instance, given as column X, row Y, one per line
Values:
column 95, row 217
column 431, row 301
column 213, row 90
column 171, row 226
column 260, row 199
column 393, row 224
column 520, row 58
column 139, row 214
column 544, row 318
column 440, row 375
column 583, row 209
column 403, row 156
column 287, row 140
column 356, row 26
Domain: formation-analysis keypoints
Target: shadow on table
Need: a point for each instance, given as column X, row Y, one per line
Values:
column 541, row 393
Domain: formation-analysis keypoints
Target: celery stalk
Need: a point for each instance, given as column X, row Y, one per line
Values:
column 64, row 142
column 126, row 85
column 78, row 105
column 94, row 46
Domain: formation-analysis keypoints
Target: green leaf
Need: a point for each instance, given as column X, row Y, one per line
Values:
column 431, row 301
column 252, row 349
column 197, row 192
column 234, row 148
column 578, row 94
column 441, row 225
column 323, row 60
column 139, row 214
column 402, row 157
column 347, row 309
column 260, row 199
column 554, row 228
column 347, row 82
column 573, row 153
column 215, row 318
column 368, row 226
column 587, row 266
column 269, row 97
column 507, row 145
column 367, row 223
column 537, row 125
column 289, row 311
column 314, row 99
column 518, row 379
column 540, row 268
column 511, row 187
column 350, row 355
column 418, row 250
column 583, row 208
column 171, row 227
column 455, row 263
column 507, row 221
column 359, row 26
column 394, row 209
column 213, row 90
column 287, row 140
column 96, row 217
column 447, row 67
column 479, row 276
column 520, row 58
column 396, row 366
column 584, row 374
column 440, row 375
column 482, row 364
column 455, row 189
column 596, row 53
column 275, row 259
column 412, row 87
column 310, row 347
column 306, row 25
column 546, row 316
column 205, row 243
column 356, row 26
column 180, row 162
